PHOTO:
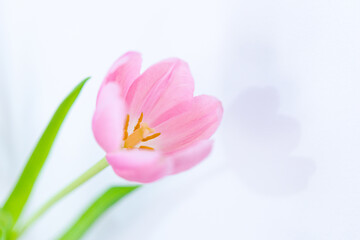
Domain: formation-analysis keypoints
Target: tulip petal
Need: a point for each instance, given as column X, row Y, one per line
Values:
column 198, row 121
column 160, row 88
column 109, row 117
column 191, row 156
column 142, row 166
column 124, row 71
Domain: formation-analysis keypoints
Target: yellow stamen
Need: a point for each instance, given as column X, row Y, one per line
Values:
column 126, row 134
column 146, row 148
column 151, row 137
column 139, row 121
column 138, row 135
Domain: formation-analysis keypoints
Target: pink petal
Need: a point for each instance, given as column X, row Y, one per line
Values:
column 191, row 156
column 139, row 165
column 174, row 111
column 124, row 71
column 161, row 87
column 109, row 117
column 199, row 121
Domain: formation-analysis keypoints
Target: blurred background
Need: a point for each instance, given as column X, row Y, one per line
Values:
column 286, row 161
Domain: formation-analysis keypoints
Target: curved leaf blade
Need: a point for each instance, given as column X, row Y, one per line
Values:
column 95, row 211
column 20, row 194
column 5, row 224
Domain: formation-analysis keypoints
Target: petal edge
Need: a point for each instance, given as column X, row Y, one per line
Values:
column 191, row 156
column 139, row 165
column 108, row 119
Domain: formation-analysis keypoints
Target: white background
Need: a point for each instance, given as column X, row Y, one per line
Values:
column 286, row 161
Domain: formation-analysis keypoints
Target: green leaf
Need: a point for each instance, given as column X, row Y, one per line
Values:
column 99, row 207
column 5, row 224
column 20, row 194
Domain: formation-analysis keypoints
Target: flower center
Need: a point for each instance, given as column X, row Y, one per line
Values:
column 140, row 134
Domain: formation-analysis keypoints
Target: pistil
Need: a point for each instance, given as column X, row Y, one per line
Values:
column 138, row 135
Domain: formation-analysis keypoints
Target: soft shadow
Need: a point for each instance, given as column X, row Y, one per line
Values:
column 261, row 142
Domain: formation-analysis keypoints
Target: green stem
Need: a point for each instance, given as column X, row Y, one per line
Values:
column 98, row 167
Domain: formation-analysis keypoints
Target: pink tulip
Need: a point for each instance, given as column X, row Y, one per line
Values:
column 151, row 125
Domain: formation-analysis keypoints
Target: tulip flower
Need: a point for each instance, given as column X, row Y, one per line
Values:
column 150, row 125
